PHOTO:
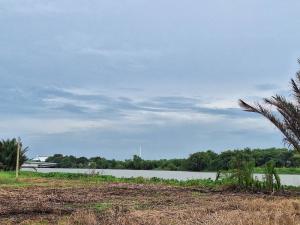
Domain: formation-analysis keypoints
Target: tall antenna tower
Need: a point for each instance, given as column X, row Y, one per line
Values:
column 140, row 151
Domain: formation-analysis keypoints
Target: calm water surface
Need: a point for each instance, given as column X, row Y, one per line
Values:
column 293, row 180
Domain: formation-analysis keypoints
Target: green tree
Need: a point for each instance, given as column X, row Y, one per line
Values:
column 295, row 160
column 202, row 160
column 8, row 154
column 82, row 162
column 137, row 162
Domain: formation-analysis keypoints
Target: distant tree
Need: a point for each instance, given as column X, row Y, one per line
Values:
column 82, row 162
column 56, row 158
column 202, row 160
column 280, row 157
column 295, row 160
column 93, row 165
column 8, row 154
column 137, row 162
column 287, row 115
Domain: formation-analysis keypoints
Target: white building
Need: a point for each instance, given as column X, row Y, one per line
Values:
column 40, row 159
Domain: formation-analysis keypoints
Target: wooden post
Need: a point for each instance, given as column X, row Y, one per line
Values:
column 18, row 158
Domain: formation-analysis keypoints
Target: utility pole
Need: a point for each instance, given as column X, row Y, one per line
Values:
column 18, row 158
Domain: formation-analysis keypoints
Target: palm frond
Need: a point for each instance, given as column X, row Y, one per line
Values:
column 284, row 114
column 246, row 106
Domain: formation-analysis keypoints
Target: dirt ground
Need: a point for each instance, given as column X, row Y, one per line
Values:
column 131, row 204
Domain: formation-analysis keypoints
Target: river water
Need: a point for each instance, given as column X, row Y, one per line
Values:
column 293, row 180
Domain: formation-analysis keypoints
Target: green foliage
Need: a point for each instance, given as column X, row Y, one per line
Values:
column 242, row 175
column 271, row 178
column 8, row 178
column 199, row 161
column 8, row 154
column 282, row 170
column 295, row 160
column 242, row 171
column 101, row 206
column 202, row 161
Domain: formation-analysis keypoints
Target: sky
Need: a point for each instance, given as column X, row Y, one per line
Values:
column 101, row 77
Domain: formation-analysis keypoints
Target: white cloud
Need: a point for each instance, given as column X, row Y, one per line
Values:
column 57, row 102
column 220, row 104
column 170, row 117
column 81, row 91
column 52, row 125
column 131, row 122
column 127, row 114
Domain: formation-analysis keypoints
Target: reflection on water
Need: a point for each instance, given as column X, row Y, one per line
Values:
column 293, row 180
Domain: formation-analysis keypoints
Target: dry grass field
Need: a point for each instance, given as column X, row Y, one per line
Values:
column 75, row 202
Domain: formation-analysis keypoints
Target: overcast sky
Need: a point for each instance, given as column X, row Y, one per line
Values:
column 102, row 77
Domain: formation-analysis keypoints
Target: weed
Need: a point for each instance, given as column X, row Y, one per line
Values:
column 271, row 178
column 98, row 207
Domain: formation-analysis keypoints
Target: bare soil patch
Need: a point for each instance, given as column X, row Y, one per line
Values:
column 120, row 203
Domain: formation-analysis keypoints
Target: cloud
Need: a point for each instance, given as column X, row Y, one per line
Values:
column 157, row 75
column 42, row 126
column 80, row 91
column 267, row 87
column 63, row 110
column 92, row 103
column 121, row 53
column 81, row 106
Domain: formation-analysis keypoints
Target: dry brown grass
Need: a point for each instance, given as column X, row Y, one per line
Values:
column 132, row 204
column 80, row 217
column 234, row 211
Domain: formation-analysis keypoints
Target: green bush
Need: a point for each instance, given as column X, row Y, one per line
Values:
column 242, row 171
column 271, row 177
column 241, row 175
column 8, row 154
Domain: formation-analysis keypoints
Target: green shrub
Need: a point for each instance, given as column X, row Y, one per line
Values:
column 271, row 177
column 8, row 154
column 242, row 171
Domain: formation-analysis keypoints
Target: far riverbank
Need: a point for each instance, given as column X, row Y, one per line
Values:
column 286, row 179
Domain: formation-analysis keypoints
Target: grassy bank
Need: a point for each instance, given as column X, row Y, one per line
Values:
column 283, row 170
column 69, row 179
column 28, row 178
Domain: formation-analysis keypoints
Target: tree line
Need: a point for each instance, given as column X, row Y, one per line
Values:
column 199, row 161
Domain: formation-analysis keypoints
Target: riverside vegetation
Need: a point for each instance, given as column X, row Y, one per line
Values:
column 234, row 167
column 284, row 160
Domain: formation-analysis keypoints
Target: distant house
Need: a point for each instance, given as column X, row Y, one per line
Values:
column 40, row 159
column 39, row 162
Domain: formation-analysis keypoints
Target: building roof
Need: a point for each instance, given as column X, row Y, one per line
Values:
column 40, row 158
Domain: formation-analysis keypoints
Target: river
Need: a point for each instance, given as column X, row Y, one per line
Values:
column 286, row 179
